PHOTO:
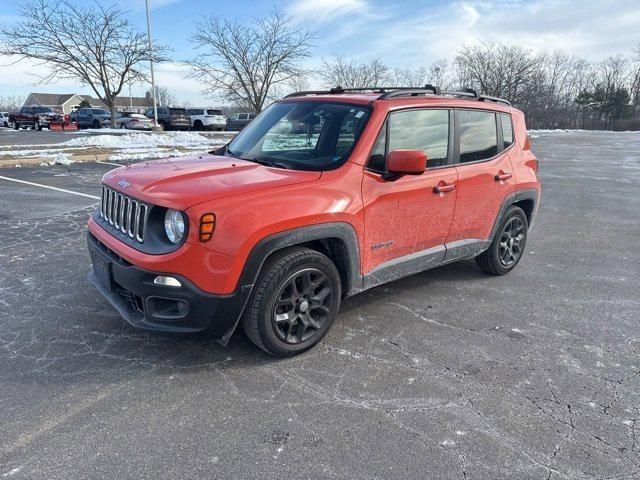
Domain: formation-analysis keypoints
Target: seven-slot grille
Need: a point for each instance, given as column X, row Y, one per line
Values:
column 124, row 213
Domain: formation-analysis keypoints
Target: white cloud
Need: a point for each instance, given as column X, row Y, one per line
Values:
column 593, row 29
column 326, row 10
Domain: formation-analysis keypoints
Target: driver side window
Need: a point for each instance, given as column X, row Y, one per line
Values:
column 420, row 129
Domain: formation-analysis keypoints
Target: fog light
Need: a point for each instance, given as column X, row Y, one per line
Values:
column 167, row 281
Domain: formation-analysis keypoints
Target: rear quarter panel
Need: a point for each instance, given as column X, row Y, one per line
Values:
column 525, row 163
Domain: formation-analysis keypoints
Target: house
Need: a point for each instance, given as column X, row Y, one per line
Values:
column 68, row 102
column 60, row 103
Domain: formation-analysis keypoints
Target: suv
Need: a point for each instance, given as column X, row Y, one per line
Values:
column 238, row 121
column 171, row 118
column 208, row 118
column 4, row 119
column 92, row 118
column 324, row 195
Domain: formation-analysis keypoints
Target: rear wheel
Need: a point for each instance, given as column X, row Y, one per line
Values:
column 294, row 303
column 197, row 125
column 16, row 126
column 508, row 244
column 123, row 126
column 96, row 124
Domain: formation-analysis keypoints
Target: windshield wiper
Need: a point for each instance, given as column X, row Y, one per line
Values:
column 266, row 162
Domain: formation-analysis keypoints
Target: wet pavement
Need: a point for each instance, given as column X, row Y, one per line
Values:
column 447, row 374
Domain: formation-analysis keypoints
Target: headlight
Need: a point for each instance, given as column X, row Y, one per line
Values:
column 174, row 225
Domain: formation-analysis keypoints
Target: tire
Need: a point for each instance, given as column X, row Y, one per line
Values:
column 96, row 124
column 508, row 245
column 197, row 125
column 123, row 126
column 285, row 320
column 16, row 126
column 37, row 126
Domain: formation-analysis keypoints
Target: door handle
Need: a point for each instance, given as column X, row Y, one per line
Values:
column 503, row 176
column 447, row 187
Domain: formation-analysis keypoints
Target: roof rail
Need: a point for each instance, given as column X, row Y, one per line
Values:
column 469, row 92
column 393, row 92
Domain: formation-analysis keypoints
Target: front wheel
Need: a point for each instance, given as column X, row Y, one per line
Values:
column 508, row 244
column 294, row 303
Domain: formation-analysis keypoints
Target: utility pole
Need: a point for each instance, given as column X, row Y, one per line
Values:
column 153, row 81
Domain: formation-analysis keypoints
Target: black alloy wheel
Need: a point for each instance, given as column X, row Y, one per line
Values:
column 511, row 239
column 294, row 302
column 508, row 244
column 303, row 305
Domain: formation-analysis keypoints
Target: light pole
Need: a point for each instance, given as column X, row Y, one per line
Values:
column 153, row 81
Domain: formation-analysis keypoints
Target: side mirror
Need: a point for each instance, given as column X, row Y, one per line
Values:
column 406, row 162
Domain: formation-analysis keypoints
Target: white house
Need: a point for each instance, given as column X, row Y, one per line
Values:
column 68, row 102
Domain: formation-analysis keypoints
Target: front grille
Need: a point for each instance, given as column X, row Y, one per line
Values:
column 123, row 213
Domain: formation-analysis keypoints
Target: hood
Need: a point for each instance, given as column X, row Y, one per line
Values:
column 184, row 182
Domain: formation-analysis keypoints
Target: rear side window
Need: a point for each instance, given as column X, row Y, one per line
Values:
column 214, row 112
column 478, row 135
column 507, row 130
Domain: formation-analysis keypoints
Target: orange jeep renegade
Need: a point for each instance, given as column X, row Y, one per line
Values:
column 322, row 196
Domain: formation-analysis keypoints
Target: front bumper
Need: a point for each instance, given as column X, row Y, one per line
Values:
column 145, row 305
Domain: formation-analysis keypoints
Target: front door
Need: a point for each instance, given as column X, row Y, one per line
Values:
column 412, row 213
column 485, row 174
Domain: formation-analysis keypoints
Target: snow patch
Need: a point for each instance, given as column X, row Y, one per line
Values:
column 142, row 140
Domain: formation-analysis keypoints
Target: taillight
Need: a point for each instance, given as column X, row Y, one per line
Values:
column 527, row 143
column 207, row 226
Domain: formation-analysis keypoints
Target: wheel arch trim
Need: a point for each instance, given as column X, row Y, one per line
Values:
column 511, row 199
column 344, row 232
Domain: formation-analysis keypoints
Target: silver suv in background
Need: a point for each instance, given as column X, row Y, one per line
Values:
column 238, row 121
column 4, row 119
column 207, row 118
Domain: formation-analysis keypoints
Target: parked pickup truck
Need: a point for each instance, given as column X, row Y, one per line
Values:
column 34, row 117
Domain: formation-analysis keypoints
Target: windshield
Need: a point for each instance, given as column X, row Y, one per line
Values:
column 302, row 135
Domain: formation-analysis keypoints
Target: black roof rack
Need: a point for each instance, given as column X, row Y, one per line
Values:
column 393, row 92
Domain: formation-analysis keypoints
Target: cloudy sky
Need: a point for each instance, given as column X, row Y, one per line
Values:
column 402, row 33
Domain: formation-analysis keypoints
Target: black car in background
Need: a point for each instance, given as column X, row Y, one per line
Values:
column 238, row 121
column 91, row 118
column 171, row 118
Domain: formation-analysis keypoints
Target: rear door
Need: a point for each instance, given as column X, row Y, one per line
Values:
column 407, row 215
column 485, row 175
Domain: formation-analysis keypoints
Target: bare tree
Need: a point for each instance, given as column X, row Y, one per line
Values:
column 438, row 73
column 338, row 71
column 243, row 63
column 495, row 69
column 635, row 82
column 164, row 97
column 10, row 102
column 93, row 44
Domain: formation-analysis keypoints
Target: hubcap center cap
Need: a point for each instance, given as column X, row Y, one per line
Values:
column 304, row 306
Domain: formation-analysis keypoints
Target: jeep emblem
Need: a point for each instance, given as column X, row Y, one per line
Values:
column 123, row 184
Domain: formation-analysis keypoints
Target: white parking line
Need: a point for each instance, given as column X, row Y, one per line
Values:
column 108, row 163
column 49, row 187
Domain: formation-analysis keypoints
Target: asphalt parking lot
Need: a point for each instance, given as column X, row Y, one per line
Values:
column 442, row 375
